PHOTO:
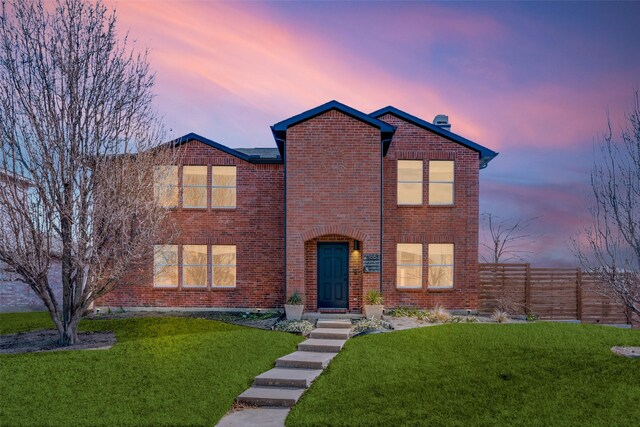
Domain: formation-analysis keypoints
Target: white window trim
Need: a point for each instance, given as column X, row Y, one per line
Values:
column 205, row 186
column 213, row 285
column 158, row 186
column 165, row 265
column 421, row 182
column 213, row 187
column 452, row 265
column 452, row 182
column 410, row 265
column 206, row 285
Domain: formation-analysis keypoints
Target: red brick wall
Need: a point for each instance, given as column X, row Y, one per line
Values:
column 333, row 188
column 333, row 193
column 256, row 227
column 456, row 224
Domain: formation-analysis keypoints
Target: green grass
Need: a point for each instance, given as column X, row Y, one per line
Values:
column 11, row 323
column 162, row 371
column 541, row 374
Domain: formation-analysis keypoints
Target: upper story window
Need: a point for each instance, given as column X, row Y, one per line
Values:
column 440, row 265
column 166, row 185
column 194, row 187
column 165, row 266
column 441, row 182
column 224, row 186
column 409, row 182
column 409, row 265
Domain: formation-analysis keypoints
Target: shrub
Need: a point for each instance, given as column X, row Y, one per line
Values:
column 295, row 299
column 303, row 327
column 500, row 316
column 440, row 314
column 374, row 297
column 370, row 324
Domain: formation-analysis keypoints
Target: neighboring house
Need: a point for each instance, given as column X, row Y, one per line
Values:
column 15, row 295
column 347, row 202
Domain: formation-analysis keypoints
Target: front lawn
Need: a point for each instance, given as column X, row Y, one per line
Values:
column 162, row 371
column 537, row 374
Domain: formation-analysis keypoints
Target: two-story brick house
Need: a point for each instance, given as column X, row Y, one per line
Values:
column 346, row 203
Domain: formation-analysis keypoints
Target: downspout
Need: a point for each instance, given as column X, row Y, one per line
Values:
column 284, row 161
column 381, row 206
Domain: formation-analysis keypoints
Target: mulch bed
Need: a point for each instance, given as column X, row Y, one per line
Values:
column 47, row 340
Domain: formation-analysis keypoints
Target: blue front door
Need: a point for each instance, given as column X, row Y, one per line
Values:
column 333, row 275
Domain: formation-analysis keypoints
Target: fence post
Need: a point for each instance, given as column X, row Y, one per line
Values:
column 579, row 294
column 527, row 289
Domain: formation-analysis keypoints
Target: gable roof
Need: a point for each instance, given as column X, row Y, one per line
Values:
column 486, row 155
column 251, row 155
column 279, row 130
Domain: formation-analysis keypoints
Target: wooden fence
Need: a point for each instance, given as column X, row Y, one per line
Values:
column 550, row 293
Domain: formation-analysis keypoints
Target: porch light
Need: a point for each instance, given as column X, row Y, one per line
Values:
column 356, row 245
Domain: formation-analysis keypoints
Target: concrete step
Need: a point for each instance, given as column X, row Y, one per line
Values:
column 287, row 377
column 271, row 396
column 305, row 360
column 331, row 333
column 335, row 323
column 321, row 345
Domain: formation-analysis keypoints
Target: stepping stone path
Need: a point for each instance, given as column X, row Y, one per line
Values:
column 274, row 392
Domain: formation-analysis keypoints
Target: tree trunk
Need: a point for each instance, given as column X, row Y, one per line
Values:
column 69, row 330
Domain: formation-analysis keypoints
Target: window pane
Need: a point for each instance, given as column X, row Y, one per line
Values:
column 224, row 276
column 410, row 170
column 440, row 253
column 409, row 193
column 224, row 175
column 224, row 254
column 166, row 196
column 194, row 275
column 194, row 254
column 194, row 175
column 409, row 277
column 194, row 197
column 166, row 275
column 440, row 194
column 165, row 254
column 166, row 185
column 224, row 197
column 409, row 253
column 165, row 175
column 441, row 170
column 165, row 265
column 441, row 277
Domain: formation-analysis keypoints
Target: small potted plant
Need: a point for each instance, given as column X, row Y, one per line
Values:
column 294, row 307
column 373, row 307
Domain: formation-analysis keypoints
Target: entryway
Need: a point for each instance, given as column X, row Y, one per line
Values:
column 333, row 275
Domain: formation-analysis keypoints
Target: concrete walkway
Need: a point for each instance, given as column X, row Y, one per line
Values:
column 274, row 392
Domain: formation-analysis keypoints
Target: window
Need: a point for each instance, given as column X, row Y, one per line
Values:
column 166, row 185
column 409, row 265
column 409, row 182
column 224, row 266
column 194, row 187
column 441, row 182
column 165, row 265
column 194, row 265
column 440, row 265
column 224, row 186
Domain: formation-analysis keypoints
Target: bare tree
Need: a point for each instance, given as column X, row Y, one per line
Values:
column 505, row 238
column 76, row 120
column 610, row 246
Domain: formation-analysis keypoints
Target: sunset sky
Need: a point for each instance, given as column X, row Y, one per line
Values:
column 533, row 81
